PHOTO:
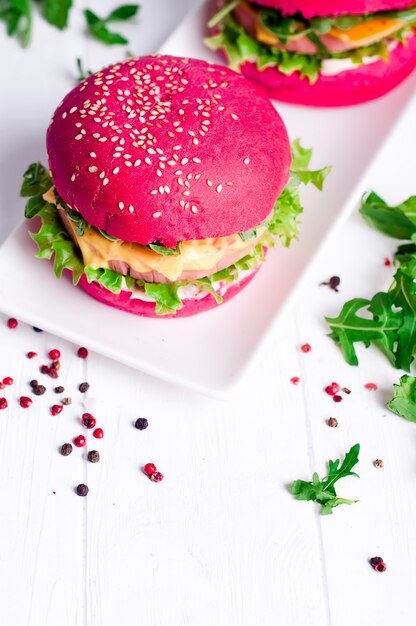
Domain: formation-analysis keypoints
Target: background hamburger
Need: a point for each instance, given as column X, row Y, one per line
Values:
column 169, row 178
column 319, row 52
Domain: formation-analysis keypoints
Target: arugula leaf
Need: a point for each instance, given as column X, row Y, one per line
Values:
column 395, row 221
column 56, row 12
column 390, row 317
column 82, row 73
column 17, row 15
column 107, row 236
column 164, row 251
column 404, row 400
column 36, row 180
column 97, row 26
column 323, row 491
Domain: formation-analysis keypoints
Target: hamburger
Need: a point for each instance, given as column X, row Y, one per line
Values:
column 168, row 179
column 320, row 52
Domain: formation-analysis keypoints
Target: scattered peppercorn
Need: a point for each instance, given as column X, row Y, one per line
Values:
column 66, row 449
column 39, row 390
column 2, row 385
column 156, row 477
column 295, row 380
column 8, row 381
column 66, row 401
column 378, row 564
column 378, row 463
column 88, row 420
column 80, row 441
column 333, row 283
column 25, row 402
column 84, row 387
column 332, row 422
column 12, row 322
column 33, row 383
column 44, row 369
column 56, row 365
column 59, row 389
column 37, row 330
column 3, row 404
column 346, row 390
column 98, row 433
column 149, row 469
column 82, row 490
column 31, row 355
column 387, row 262
column 337, row 398
column 141, row 423
column 54, row 354
column 53, row 373
column 306, row 347
column 371, row 386
column 93, row 456
column 56, row 409
column 82, row 353
column 332, row 389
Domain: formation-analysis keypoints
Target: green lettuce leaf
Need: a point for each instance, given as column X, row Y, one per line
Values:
column 395, row 221
column 404, row 400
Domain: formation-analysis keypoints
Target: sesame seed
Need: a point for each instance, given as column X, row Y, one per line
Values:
column 186, row 192
column 161, row 190
column 167, row 189
column 72, row 178
column 184, row 161
column 234, row 116
column 96, row 135
column 73, row 109
column 102, row 139
column 64, row 115
column 131, row 208
column 219, row 188
column 158, row 173
column 148, row 161
column 116, row 170
column 137, row 163
column 93, row 168
column 121, row 205
column 246, row 160
column 196, row 160
column 93, row 155
column 209, row 182
column 194, row 209
column 78, row 137
column 153, row 192
column 105, row 182
column 157, row 214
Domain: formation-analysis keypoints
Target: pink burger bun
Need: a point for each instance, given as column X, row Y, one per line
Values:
column 165, row 151
column 365, row 83
column 320, row 8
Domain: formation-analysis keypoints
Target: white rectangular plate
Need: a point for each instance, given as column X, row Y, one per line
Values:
column 211, row 352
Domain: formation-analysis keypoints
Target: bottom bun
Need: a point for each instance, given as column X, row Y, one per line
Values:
column 190, row 307
column 366, row 82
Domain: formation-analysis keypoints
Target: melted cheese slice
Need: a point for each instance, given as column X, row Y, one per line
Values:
column 196, row 255
column 367, row 32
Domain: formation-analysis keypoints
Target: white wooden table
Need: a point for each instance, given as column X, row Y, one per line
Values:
column 220, row 541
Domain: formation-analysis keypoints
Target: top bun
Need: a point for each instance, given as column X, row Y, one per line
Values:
column 320, row 8
column 167, row 149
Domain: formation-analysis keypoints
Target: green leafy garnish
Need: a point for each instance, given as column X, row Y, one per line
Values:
column 395, row 221
column 56, row 12
column 36, row 182
column 404, row 400
column 323, row 491
column 82, row 73
column 98, row 26
column 388, row 320
column 17, row 15
column 164, row 251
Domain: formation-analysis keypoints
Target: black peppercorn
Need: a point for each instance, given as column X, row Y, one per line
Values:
column 333, row 283
column 59, row 389
column 141, row 423
column 93, row 456
column 66, row 449
column 33, row 383
column 83, row 387
column 39, row 390
column 82, row 490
